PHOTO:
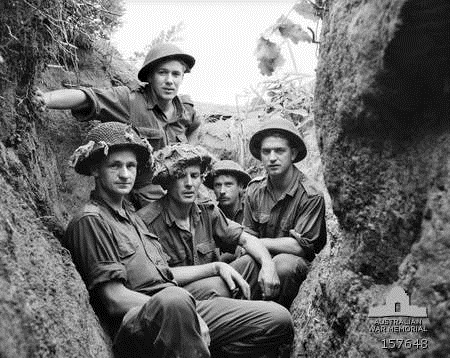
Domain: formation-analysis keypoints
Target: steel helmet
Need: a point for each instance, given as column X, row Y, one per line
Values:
column 164, row 52
column 104, row 137
column 172, row 160
column 280, row 125
column 227, row 167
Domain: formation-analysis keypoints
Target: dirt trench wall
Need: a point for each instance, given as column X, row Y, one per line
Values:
column 382, row 117
column 44, row 304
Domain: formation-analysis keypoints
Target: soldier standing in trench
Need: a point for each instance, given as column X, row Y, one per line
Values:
column 154, row 108
column 133, row 290
column 283, row 208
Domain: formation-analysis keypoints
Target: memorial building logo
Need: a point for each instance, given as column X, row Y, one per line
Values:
column 398, row 304
column 398, row 324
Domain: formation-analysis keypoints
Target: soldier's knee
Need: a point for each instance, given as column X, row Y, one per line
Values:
column 288, row 265
column 172, row 298
column 281, row 317
column 281, row 321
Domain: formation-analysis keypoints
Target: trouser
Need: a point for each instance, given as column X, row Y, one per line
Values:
column 216, row 287
column 292, row 271
column 167, row 326
column 249, row 269
column 207, row 288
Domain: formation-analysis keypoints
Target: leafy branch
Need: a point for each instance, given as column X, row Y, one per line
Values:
column 291, row 95
column 268, row 49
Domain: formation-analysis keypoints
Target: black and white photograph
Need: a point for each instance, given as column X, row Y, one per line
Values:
column 224, row 179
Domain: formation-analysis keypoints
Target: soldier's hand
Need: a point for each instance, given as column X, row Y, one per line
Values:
column 295, row 234
column 38, row 99
column 233, row 279
column 269, row 281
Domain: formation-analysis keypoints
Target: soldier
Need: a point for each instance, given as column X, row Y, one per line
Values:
column 154, row 108
column 283, row 208
column 229, row 180
column 192, row 232
column 135, row 293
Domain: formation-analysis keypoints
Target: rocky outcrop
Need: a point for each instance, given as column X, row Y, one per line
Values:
column 381, row 109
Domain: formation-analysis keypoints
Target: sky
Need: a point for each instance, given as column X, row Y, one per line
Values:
column 221, row 35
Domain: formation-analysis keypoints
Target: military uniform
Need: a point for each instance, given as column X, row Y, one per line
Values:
column 109, row 245
column 138, row 106
column 210, row 233
column 301, row 208
column 238, row 215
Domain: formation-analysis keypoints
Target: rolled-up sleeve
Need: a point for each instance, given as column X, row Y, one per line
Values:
column 106, row 105
column 311, row 226
column 250, row 225
column 90, row 242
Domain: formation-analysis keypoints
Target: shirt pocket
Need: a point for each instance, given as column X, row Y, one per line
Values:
column 153, row 135
column 126, row 247
column 207, row 252
column 155, row 250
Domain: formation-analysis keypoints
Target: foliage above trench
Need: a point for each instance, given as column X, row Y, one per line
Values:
column 285, row 31
column 35, row 32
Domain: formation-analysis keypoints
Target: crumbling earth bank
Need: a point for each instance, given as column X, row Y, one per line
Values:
column 44, row 305
column 382, row 109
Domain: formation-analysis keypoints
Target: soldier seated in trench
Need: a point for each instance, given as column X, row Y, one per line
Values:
column 283, row 208
column 137, row 296
column 228, row 180
column 192, row 232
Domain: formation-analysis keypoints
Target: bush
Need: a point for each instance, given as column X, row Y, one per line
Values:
column 36, row 32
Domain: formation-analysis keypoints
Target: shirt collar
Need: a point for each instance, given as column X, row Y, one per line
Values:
column 125, row 205
column 169, row 216
column 152, row 101
column 239, row 208
column 292, row 189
